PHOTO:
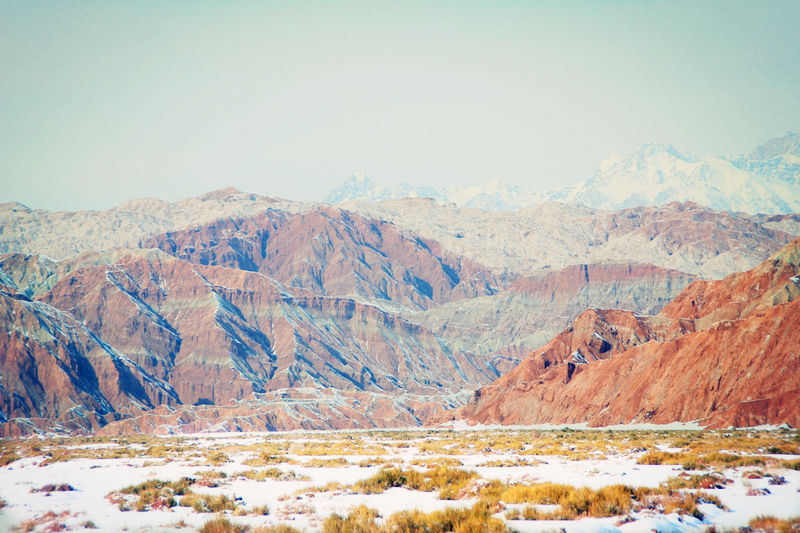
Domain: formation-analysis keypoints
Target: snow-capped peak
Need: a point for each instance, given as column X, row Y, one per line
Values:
column 765, row 181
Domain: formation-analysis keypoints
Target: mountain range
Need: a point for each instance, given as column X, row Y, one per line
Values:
column 765, row 181
column 239, row 312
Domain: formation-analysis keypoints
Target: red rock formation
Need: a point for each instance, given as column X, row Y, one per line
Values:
column 722, row 353
column 55, row 368
column 212, row 336
column 334, row 253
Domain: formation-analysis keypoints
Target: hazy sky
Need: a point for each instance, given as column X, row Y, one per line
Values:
column 101, row 102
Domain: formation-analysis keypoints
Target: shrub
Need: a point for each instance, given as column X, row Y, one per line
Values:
column 360, row 520
column 693, row 461
column 477, row 519
column 271, row 473
column 222, row 525
column 541, row 493
column 266, row 459
column 152, row 494
column 212, row 474
column 206, row 503
column 373, row 461
column 280, row 528
column 770, row 524
column 216, row 458
column 430, row 480
column 260, row 510
column 791, row 465
column 713, row 480
column 320, row 463
column 8, row 458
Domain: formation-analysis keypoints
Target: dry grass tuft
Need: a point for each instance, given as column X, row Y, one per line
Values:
column 222, row 525
column 477, row 519
column 770, row 524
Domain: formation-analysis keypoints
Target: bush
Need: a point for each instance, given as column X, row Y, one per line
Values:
column 770, row 524
column 477, row 519
column 206, row 503
column 8, row 458
column 694, row 461
column 360, row 520
column 791, row 465
column 152, row 494
column 222, row 525
column 280, row 528
column 434, row 479
column 271, row 473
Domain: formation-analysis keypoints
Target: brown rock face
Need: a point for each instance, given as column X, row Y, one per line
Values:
column 722, row 353
column 334, row 253
column 55, row 368
column 533, row 309
column 165, row 332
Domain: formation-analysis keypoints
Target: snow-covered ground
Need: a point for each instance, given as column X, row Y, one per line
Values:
column 290, row 502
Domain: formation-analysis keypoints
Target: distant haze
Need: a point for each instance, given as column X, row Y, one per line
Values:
column 101, row 102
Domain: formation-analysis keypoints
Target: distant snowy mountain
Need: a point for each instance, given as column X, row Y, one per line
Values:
column 492, row 196
column 778, row 158
column 360, row 187
column 764, row 181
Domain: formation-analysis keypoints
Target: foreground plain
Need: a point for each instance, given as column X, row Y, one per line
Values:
column 506, row 480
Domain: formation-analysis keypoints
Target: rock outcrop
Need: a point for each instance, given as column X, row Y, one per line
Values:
column 157, row 330
column 535, row 308
column 722, row 353
column 334, row 253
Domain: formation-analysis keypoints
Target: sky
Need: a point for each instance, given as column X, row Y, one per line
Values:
column 103, row 102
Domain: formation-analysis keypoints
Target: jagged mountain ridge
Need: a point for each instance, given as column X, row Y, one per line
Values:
column 681, row 236
column 764, row 181
column 333, row 252
column 722, row 353
column 551, row 235
column 64, row 234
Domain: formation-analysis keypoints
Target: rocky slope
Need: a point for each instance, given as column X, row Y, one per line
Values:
column 56, row 369
column 722, row 353
column 64, row 234
column 681, row 236
column 333, row 252
column 208, row 336
column 534, row 308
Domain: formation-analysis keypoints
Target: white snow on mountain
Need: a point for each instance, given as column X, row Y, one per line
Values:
column 360, row 187
column 764, row 181
column 492, row 196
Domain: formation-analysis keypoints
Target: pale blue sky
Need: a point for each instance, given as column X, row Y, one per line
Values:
column 101, row 102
